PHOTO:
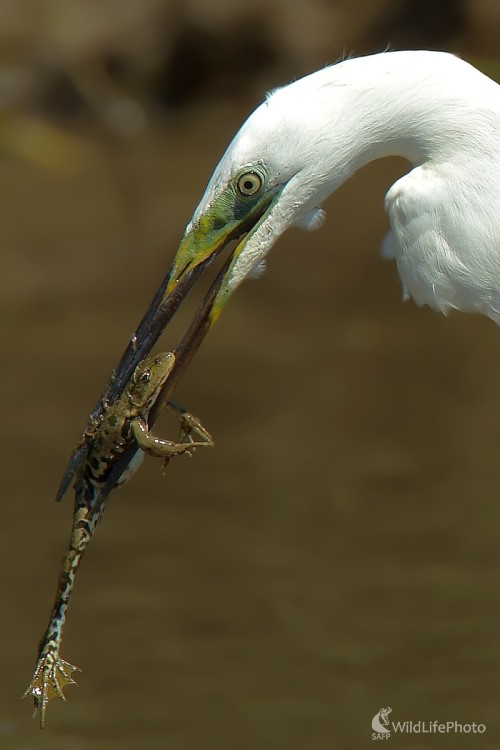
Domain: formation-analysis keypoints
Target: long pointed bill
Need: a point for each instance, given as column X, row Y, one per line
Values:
column 196, row 249
column 228, row 217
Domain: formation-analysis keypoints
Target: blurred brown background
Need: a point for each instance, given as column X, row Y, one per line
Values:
column 338, row 551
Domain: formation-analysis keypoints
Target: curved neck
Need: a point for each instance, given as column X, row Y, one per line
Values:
column 417, row 105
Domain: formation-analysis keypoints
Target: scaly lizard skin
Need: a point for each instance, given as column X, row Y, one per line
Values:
column 125, row 421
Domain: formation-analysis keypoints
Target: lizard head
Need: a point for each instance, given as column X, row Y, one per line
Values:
column 148, row 379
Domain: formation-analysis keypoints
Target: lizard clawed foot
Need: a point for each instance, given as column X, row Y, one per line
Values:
column 50, row 677
column 189, row 425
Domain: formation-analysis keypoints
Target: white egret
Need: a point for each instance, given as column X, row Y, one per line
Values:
column 301, row 144
column 307, row 138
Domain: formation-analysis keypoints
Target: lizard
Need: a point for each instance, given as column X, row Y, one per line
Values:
column 124, row 422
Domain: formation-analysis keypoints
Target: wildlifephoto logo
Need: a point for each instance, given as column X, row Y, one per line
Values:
column 383, row 728
column 380, row 724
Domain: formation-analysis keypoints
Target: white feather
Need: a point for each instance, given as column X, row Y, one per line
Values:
column 311, row 220
column 432, row 108
column 258, row 270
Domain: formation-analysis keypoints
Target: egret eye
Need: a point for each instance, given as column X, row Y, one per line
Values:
column 249, row 183
column 145, row 376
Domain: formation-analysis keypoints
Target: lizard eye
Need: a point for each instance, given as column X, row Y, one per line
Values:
column 145, row 376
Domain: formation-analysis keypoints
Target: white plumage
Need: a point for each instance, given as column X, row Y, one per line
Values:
column 432, row 108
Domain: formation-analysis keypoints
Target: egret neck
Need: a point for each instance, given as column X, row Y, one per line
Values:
column 307, row 138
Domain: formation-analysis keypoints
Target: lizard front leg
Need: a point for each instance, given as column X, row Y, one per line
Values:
column 159, row 447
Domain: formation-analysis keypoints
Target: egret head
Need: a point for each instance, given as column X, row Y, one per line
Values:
column 265, row 182
column 298, row 147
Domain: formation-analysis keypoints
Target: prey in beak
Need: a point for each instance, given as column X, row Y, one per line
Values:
column 260, row 187
column 233, row 214
column 227, row 219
